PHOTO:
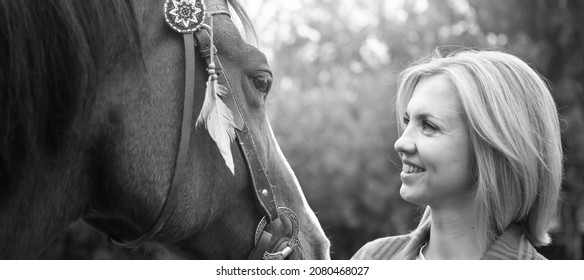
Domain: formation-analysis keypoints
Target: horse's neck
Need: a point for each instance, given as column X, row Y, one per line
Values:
column 39, row 208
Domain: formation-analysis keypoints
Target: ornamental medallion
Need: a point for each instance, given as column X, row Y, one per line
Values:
column 184, row 16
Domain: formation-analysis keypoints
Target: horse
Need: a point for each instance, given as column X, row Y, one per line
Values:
column 97, row 107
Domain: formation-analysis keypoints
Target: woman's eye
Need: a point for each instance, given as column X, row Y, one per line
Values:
column 262, row 83
column 406, row 120
column 426, row 125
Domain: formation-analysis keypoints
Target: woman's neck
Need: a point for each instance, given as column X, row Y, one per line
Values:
column 453, row 235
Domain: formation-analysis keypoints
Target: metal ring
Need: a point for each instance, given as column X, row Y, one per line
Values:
column 292, row 243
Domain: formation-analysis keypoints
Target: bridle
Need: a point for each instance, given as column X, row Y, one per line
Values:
column 196, row 33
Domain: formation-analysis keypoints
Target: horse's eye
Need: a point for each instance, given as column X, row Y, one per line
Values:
column 263, row 83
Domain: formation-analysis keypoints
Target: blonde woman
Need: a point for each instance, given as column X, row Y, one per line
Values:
column 480, row 149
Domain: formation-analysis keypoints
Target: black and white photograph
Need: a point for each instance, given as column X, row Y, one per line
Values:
column 335, row 130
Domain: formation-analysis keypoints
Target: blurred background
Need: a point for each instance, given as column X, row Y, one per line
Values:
column 331, row 105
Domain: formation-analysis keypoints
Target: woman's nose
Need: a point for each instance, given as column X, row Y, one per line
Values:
column 405, row 143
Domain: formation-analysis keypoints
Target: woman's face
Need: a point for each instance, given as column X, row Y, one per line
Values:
column 435, row 148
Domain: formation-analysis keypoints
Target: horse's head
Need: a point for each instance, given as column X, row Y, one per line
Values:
column 213, row 212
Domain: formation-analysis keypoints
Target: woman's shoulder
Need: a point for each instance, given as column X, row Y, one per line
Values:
column 385, row 248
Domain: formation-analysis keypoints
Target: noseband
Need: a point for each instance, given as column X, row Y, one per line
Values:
column 187, row 17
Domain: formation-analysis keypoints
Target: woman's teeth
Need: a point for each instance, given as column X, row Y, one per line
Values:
column 411, row 169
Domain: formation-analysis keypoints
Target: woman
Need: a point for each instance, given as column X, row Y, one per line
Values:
column 480, row 149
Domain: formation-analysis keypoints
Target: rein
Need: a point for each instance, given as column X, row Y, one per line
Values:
column 187, row 17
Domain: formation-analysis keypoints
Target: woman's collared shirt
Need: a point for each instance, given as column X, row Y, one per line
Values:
column 511, row 245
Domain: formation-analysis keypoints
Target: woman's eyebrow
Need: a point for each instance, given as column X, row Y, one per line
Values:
column 423, row 116
column 426, row 116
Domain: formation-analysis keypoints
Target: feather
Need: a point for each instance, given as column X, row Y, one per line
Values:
column 216, row 116
column 218, row 120
column 208, row 105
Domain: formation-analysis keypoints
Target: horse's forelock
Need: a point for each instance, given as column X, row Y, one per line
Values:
column 52, row 55
column 249, row 32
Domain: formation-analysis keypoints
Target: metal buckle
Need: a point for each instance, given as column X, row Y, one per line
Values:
column 292, row 243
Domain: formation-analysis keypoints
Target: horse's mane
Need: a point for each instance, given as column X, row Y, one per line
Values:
column 52, row 53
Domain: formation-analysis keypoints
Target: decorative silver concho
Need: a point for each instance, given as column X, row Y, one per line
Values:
column 184, row 16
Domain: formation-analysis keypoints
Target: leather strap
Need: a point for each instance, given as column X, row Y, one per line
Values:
column 263, row 189
column 178, row 177
column 217, row 7
column 262, row 246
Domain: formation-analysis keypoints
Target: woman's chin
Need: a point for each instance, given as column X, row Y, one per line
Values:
column 412, row 195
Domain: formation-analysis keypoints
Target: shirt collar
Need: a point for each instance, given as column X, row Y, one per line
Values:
column 512, row 244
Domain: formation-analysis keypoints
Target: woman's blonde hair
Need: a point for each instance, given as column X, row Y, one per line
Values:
column 514, row 134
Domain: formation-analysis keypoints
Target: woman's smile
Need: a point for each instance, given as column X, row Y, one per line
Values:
column 408, row 168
